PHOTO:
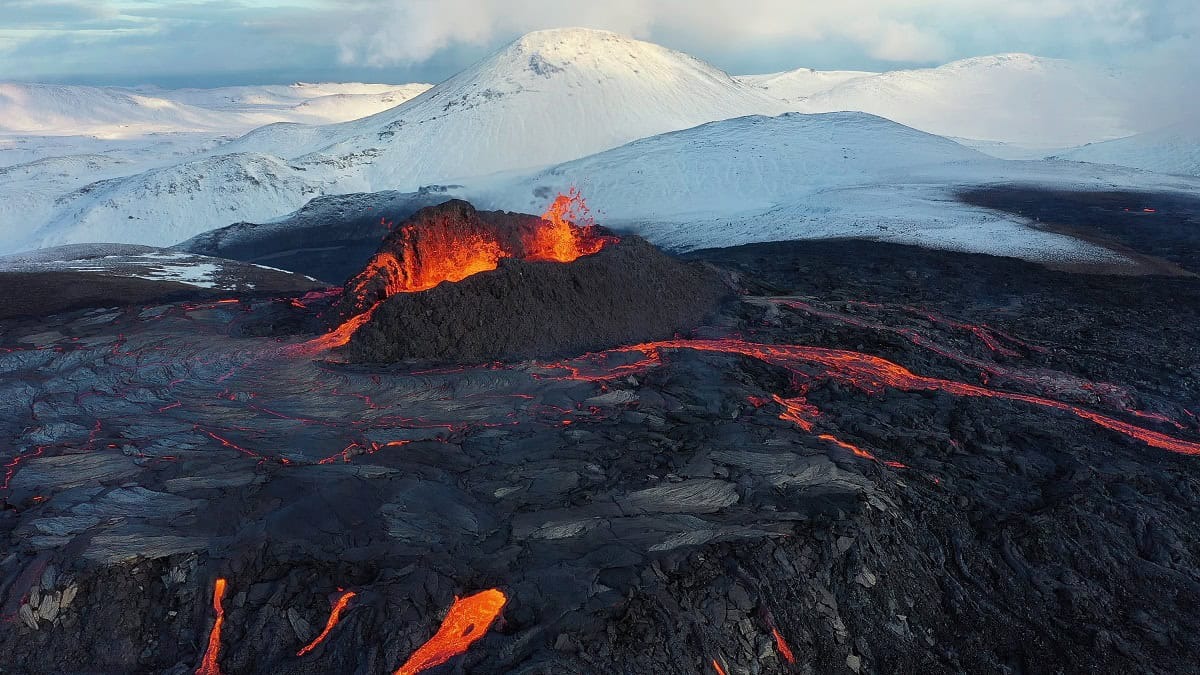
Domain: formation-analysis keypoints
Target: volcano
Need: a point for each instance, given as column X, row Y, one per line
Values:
column 456, row 284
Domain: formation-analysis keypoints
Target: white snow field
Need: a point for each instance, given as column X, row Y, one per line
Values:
column 800, row 176
column 1017, row 99
column 557, row 107
column 1175, row 149
column 793, row 85
column 116, row 112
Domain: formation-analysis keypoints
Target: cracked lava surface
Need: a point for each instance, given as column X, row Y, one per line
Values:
column 237, row 486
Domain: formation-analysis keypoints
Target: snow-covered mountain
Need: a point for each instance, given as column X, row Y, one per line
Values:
column 1175, row 149
column 1010, row 98
column 793, row 85
column 569, row 99
column 549, row 97
column 114, row 112
column 801, row 176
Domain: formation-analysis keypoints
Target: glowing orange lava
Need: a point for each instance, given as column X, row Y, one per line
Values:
column 569, row 231
column 782, row 647
column 449, row 251
column 334, row 616
column 717, row 667
column 873, row 374
column 854, row 449
column 467, row 621
column 208, row 665
column 798, row 411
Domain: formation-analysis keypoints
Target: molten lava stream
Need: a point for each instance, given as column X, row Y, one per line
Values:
column 208, row 664
column 782, row 647
column 873, row 374
column 717, row 667
column 467, row 621
column 334, row 616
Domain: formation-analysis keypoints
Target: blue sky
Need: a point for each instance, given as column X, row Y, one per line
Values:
column 209, row 42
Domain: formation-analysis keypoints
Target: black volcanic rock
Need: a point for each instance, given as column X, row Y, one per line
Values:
column 628, row 292
column 329, row 238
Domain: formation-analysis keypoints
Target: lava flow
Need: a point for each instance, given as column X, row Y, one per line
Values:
column 467, row 621
column 873, row 374
column 782, row 647
column 208, row 665
column 449, row 249
column 334, row 616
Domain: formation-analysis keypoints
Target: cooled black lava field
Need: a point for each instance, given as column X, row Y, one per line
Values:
column 872, row 458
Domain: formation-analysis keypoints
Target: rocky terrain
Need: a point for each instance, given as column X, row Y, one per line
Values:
column 878, row 459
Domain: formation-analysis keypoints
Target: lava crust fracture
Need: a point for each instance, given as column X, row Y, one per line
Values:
column 842, row 472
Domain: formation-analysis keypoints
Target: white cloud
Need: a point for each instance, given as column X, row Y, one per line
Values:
column 411, row 31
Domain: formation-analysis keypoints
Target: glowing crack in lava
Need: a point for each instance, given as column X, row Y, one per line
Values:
column 872, row 375
column 717, row 667
column 467, row 621
column 447, row 250
column 782, row 647
column 208, row 665
column 334, row 616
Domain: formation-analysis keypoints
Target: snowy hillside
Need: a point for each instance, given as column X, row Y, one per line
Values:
column 76, row 110
column 793, row 85
column 114, row 112
column 280, row 97
column 1175, row 149
column 1011, row 98
column 162, row 206
column 303, row 103
column 801, row 176
column 549, row 97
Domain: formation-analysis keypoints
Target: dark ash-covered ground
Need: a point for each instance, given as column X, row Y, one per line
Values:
column 644, row 511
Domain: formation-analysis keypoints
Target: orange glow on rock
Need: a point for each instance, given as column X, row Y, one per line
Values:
column 717, row 667
column 445, row 250
column 467, row 621
column 208, row 665
column 334, row 616
column 782, row 647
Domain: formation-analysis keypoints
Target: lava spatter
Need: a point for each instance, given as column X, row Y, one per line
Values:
column 208, row 664
column 570, row 232
column 467, row 621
